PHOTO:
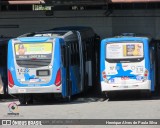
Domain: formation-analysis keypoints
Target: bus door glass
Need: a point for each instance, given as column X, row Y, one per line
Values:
column 124, row 63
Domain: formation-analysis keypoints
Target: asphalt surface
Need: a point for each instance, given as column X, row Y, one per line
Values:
column 87, row 107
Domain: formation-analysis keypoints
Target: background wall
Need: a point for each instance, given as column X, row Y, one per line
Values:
column 146, row 22
column 35, row 21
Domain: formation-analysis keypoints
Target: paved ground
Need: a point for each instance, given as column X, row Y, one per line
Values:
column 89, row 108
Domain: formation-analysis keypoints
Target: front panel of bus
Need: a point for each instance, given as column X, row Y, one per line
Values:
column 125, row 64
column 34, row 65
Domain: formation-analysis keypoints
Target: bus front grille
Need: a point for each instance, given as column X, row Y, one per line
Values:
column 33, row 63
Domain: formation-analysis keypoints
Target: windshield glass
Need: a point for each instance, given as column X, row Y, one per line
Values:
column 126, row 52
column 33, row 50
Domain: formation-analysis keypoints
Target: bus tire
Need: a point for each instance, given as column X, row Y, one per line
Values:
column 29, row 99
column 67, row 99
column 22, row 99
column 146, row 94
column 111, row 95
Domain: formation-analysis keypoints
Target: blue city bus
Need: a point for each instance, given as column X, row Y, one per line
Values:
column 59, row 62
column 127, row 63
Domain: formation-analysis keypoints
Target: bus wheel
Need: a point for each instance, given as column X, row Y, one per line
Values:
column 111, row 95
column 67, row 99
column 146, row 94
column 29, row 99
column 22, row 99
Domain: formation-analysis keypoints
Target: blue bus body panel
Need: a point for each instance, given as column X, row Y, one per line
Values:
column 56, row 63
column 75, row 78
column 145, row 42
column 10, row 61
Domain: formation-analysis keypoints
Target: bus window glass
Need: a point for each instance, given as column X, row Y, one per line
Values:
column 36, row 50
column 33, row 54
column 124, row 51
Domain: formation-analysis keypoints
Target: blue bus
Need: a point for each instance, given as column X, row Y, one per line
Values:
column 127, row 63
column 59, row 62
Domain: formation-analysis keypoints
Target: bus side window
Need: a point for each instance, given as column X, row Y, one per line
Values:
column 72, row 53
column 152, row 58
column 63, row 55
column 89, row 48
column 77, row 53
column 75, row 49
column 84, row 49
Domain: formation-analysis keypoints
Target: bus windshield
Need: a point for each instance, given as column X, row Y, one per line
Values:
column 124, row 52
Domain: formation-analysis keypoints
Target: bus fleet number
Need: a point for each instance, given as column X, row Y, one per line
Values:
column 23, row 70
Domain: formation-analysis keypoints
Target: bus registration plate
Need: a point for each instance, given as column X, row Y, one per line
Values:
column 34, row 80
